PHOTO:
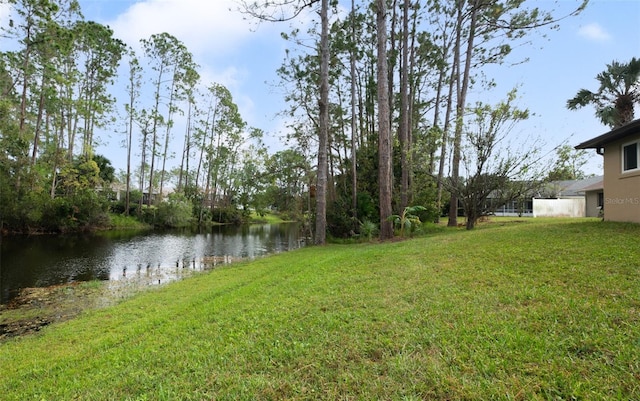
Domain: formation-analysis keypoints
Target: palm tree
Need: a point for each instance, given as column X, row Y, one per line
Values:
column 615, row 99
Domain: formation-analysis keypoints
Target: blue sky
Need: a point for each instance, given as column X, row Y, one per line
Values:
column 243, row 56
column 567, row 60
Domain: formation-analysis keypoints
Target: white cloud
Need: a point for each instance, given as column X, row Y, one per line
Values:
column 220, row 38
column 5, row 9
column 594, row 32
column 203, row 26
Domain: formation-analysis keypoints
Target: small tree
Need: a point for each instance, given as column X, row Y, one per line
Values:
column 409, row 218
column 494, row 169
column 176, row 211
column 568, row 165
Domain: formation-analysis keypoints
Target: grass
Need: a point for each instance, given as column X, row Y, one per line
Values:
column 266, row 218
column 529, row 310
column 122, row 222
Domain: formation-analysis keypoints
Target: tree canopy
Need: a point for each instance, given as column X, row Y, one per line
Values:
column 379, row 117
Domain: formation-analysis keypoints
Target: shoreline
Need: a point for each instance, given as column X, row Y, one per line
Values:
column 37, row 307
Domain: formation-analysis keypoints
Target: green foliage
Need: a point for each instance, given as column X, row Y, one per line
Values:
column 368, row 230
column 265, row 218
column 107, row 172
column 175, row 211
column 568, row 165
column 291, row 216
column 30, row 212
column 425, row 194
column 228, row 215
column 84, row 210
column 147, row 214
column 83, row 174
column 134, row 199
column 409, row 220
column 119, row 221
column 340, row 221
column 287, row 182
column 617, row 94
column 367, row 207
column 493, row 168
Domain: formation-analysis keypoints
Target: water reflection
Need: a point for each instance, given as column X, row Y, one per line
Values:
column 156, row 257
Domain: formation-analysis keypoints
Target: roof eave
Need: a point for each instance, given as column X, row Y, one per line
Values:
column 615, row 134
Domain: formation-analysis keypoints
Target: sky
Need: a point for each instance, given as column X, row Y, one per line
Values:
column 243, row 56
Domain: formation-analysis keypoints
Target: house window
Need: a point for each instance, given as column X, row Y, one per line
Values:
column 630, row 156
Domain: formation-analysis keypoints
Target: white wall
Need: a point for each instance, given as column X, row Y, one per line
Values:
column 575, row 207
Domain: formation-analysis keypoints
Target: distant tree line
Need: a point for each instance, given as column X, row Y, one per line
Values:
column 381, row 119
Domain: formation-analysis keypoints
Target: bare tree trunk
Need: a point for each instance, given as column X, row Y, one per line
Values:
column 384, row 130
column 143, row 161
column 129, row 146
column 59, row 140
column 461, row 102
column 392, row 54
column 403, row 128
column 25, row 82
column 167, row 134
column 354, row 167
column 447, row 118
column 323, row 134
column 133, row 70
column 216, row 170
column 186, row 149
column 36, row 134
column 412, row 98
column 154, row 133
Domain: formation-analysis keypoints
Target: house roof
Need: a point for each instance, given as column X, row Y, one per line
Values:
column 629, row 128
column 579, row 186
column 596, row 186
column 572, row 187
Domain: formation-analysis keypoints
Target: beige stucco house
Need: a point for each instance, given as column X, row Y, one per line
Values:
column 620, row 148
column 594, row 198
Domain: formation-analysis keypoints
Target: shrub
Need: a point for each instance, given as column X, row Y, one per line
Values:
column 176, row 211
column 368, row 229
column 228, row 215
column 408, row 220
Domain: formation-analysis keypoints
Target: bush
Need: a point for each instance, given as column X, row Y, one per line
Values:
column 134, row 200
column 367, row 207
column 340, row 221
column 227, row 215
column 84, row 210
column 368, row 229
column 176, row 211
column 431, row 212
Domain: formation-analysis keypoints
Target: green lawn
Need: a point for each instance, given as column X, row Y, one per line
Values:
column 266, row 218
column 122, row 222
column 528, row 309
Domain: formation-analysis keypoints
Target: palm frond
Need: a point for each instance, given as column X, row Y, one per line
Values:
column 582, row 98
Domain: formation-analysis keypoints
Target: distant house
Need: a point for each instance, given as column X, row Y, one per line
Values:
column 119, row 190
column 594, row 198
column 568, row 198
column 517, row 207
column 621, row 183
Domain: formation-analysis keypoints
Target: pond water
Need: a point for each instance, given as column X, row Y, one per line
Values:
column 123, row 256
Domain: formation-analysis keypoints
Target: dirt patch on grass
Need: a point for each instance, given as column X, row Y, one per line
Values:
column 35, row 308
column 21, row 327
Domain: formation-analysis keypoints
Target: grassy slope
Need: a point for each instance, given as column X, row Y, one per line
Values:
column 267, row 218
column 533, row 310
